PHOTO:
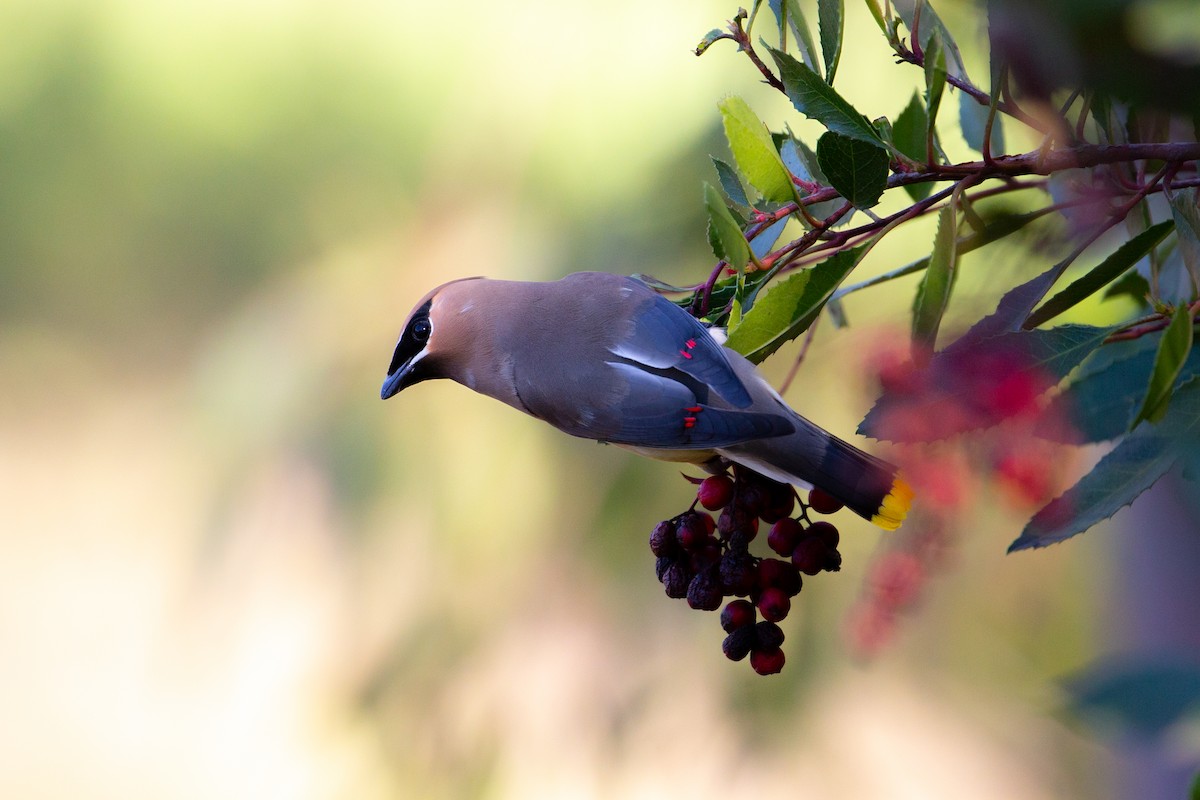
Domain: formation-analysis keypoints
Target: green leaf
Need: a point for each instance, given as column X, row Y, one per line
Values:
column 1103, row 273
column 815, row 98
column 789, row 16
column 709, row 38
column 790, row 306
column 1142, row 694
column 972, row 117
column 1131, row 468
column 931, row 25
column 933, row 292
column 856, row 169
column 935, row 83
column 1056, row 351
column 723, row 231
column 1101, row 398
column 1173, row 350
column 802, row 162
column 1131, row 284
column 755, row 153
column 731, row 184
column 831, row 18
column 908, row 134
column 1187, row 222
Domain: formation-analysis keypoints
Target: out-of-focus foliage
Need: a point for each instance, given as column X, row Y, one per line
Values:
column 227, row 570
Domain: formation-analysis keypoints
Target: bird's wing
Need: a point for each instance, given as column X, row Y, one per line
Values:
column 665, row 337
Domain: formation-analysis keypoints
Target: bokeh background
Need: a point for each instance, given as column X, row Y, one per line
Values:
column 228, row 570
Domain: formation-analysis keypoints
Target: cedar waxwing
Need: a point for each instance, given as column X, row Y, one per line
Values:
column 604, row 357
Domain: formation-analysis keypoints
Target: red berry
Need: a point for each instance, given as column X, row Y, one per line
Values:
column 810, row 556
column 738, row 614
column 823, row 502
column 784, row 535
column 767, row 662
column 715, row 492
column 826, row 532
column 691, row 532
column 774, row 604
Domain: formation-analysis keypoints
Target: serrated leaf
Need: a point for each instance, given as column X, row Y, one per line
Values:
column 1100, row 401
column 1142, row 694
column 1187, row 222
column 755, row 153
column 790, row 306
column 761, row 244
column 1056, row 351
column 972, row 117
column 1173, row 350
column 1131, row 468
column 931, row 24
column 831, row 20
column 857, row 170
column 814, row 98
column 933, row 292
column 1131, row 284
column 1012, row 310
column 802, row 162
column 724, row 234
column 1103, row 273
column 731, row 184
column 790, row 17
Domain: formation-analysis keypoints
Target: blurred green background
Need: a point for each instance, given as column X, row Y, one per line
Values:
column 228, row 570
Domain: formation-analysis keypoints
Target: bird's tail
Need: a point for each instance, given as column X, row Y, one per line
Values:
column 868, row 486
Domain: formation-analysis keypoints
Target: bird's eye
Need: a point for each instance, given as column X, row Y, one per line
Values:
column 421, row 328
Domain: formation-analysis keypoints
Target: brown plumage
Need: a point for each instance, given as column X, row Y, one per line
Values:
column 603, row 357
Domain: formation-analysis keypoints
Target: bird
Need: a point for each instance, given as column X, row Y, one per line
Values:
column 605, row 357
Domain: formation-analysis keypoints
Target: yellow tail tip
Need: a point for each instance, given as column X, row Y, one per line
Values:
column 895, row 505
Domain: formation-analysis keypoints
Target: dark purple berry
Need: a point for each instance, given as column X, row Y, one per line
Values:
column 738, row 573
column 739, row 542
column 715, row 492
column 676, row 580
column 736, row 520
column 823, row 502
column 780, row 502
column 779, row 574
column 767, row 662
column 660, row 566
column 774, row 604
column 810, row 555
column 826, row 531
column 833, row 560
column 704, row 591
column 737, row 645
column 784, row 535
column 767, row 635
column 737, row 614
column 662, row 538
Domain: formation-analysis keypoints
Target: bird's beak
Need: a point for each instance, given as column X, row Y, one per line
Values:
column 395, row 381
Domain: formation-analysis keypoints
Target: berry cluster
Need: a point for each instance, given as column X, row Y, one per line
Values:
column 707, row 560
